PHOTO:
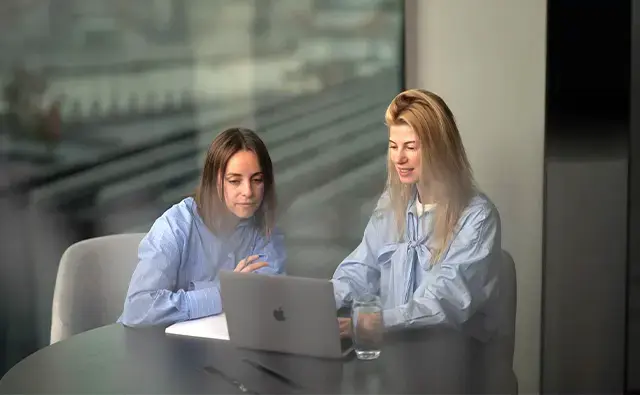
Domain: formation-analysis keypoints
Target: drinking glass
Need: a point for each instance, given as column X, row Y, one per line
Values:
column 367, row 327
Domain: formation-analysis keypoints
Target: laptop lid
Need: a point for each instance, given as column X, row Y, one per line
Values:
column 286, row 314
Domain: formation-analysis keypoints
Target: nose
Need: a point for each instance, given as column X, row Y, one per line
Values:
column 399, row 156
column 247, row 189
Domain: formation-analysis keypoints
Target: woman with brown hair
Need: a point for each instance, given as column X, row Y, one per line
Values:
column 227, row 225
column 432, row 248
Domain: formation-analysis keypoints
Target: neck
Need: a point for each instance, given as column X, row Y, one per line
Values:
column 229, row 223
column 424, row 195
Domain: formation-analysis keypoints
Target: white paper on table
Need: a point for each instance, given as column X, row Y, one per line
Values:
column 213, row 327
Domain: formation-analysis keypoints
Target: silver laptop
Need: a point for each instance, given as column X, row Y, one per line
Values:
column 285, row 314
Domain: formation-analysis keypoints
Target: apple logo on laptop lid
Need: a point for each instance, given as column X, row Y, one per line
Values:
column 278, row 314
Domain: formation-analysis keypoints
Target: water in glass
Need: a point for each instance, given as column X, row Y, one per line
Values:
column 367, row 326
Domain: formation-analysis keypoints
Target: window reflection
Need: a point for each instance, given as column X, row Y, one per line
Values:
column 108, row 106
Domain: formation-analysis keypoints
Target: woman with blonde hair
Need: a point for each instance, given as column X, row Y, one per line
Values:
column 432, row 248
column 227, row 225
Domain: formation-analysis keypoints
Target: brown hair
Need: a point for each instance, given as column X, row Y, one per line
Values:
column 210, row 199
column 444, row 161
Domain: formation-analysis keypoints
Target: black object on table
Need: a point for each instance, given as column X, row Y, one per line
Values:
column 115, row 359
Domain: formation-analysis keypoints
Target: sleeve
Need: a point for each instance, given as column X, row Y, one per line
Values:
column 273, row 252
column 461, row 283
column 359, row 273
column 151, row 299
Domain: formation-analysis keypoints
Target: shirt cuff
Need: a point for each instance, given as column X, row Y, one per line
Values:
column 196, row 285
column 337, row 295
column 392, row 318
column 267, row 270
column 203, row 302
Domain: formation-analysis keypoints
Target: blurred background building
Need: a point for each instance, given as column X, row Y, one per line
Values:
column 108, row 107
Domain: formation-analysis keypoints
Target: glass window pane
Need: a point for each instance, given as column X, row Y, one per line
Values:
column 108, row 107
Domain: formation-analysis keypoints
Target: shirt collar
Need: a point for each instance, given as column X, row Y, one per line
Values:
column 411, row 208
column 246, row 222
column 413, row 204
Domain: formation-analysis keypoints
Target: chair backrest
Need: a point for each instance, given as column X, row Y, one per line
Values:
column 93, row 277
column 495, row 371
column 509, row 296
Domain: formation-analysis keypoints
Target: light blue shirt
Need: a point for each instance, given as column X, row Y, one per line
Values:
column 178, row 263
column 460, row 291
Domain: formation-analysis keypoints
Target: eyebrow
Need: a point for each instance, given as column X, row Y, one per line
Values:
column 240, row 175
column 405, row 143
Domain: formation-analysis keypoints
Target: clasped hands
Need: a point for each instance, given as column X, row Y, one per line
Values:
column 248, row 264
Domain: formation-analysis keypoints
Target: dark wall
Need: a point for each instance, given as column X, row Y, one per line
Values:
column 633, row 304
column 587, row 182
column 588, row 59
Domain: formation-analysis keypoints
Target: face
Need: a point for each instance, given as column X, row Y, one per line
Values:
column 404, row 153
column 243, row 184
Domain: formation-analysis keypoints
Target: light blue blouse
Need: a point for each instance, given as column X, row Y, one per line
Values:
column 460, row 291
column 179, row 259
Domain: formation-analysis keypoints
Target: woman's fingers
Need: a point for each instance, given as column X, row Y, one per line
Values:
column 253, row 267
column 345, row 326
column 240, row 265
column 243, row 263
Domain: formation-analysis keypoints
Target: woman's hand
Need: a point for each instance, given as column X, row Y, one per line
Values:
column 345, row 327
column 369, row 326
column 248, row 264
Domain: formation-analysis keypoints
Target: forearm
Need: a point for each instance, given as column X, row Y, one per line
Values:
column 416, row 313
column 162, row 307
column 449, row 298
column 352, row 281
column 272, row 251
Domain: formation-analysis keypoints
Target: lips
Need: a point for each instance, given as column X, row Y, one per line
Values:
column 404, row 171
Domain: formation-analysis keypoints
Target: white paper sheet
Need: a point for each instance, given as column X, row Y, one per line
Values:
column 214, row 327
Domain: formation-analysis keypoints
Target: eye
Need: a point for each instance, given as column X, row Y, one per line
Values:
column 258, row 180
column 234, row 182
column 411, row 148
column 393, row 147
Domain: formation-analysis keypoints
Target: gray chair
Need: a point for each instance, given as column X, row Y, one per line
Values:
column 509, row 291
column 496, row 357
column 92, row 283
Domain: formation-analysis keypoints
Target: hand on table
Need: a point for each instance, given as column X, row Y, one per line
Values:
column 368, row 326
column 345, row 327
column 249, row 264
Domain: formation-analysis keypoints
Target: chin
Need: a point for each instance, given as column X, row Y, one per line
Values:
column 408, row 181
column 244, row 214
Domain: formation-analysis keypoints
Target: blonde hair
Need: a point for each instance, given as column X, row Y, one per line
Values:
column 444, row 163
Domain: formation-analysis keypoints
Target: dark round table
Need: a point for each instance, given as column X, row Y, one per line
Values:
column 115, row 359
